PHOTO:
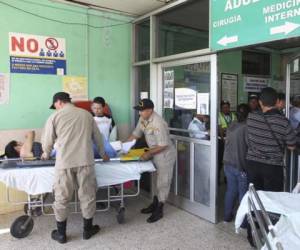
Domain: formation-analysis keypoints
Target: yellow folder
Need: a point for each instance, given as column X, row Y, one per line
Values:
column 134, row 154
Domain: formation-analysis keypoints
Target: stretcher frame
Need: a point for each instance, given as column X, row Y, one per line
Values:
column 23, row 225
column 265, row 234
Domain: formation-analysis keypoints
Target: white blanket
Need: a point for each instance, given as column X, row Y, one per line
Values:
column 287, row 230
column 35, row 181
column 274, row 202
column 286, row 204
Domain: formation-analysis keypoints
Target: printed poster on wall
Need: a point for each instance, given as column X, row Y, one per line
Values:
column 169, row 89
column 144, row 95
column 4, row 88
column 185, row 98
column 229, row 91
column 203, row 103
column 33, row 54
column 255, row 84
column 76, row 86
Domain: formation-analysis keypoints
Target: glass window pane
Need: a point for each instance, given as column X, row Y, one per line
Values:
column 143, row 79
column 295, row 66
column 202, row 174
column 173, row 183
column 186, row 99
column 142, row 41
column 183, row 171
column 142, row 84
column 142, row 90
column 295, row 81
column 256, row 63
column 178, row 34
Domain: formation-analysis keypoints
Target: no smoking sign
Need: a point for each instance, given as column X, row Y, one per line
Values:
column 51, row 43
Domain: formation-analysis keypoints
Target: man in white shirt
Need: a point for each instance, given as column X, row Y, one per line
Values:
column 295, row 112
column 198, row 127
column 104, row 122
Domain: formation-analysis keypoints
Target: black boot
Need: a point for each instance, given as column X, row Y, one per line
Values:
column 157, row 213
column 60, row 234
column 89, row 229
column 151, row 207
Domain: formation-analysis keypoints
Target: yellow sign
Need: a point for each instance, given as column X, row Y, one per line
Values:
column 76, row 86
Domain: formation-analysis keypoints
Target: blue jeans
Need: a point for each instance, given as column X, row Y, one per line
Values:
column 237, row 185
column 107, row 148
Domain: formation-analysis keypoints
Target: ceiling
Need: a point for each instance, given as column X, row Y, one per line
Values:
column 131, row 7
column 197, row 11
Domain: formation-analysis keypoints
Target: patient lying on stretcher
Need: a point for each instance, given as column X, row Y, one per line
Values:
column 32, row 149
column 27, row 149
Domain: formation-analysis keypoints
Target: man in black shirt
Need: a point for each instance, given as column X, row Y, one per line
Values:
column 269, row 133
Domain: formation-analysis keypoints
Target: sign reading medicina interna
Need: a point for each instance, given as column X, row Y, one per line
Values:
column 236, row 23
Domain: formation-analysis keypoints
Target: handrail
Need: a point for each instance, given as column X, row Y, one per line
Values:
column 188, row 131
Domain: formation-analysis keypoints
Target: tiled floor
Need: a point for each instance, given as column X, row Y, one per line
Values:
column 177, row 230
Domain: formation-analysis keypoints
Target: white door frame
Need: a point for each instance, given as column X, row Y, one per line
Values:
column 287, row 108
column 208, row 213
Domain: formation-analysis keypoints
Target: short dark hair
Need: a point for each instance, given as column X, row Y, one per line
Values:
column 99, row 100
column 242, row 112
column 10, row 151
column 281, row 96
column 225, row 103
column 268, row 97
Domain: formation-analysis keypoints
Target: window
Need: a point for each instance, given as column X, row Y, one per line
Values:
column 142, row 41
column 256, row 63
column 143, row 81
column 142, row 84
column 186, row 96
column 179, row 34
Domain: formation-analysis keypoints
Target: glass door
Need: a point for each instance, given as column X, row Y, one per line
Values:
column 293, row 113
column 141, row 91
column 189, row 105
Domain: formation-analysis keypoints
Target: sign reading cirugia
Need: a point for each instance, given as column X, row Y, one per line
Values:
column 236, row 23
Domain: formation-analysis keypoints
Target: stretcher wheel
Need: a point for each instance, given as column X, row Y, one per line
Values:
column 19, row 230
column 121, row 215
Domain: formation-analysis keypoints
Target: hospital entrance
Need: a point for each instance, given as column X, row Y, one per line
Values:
column 198, row 84
column 190, row 58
